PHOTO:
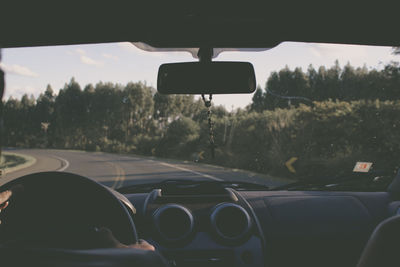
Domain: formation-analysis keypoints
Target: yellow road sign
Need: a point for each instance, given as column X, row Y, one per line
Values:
column 289, row 163
column 201, row 155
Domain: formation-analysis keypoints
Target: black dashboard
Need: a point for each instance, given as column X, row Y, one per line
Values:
column 203, row 229
column 260, row 228
column 191, row 223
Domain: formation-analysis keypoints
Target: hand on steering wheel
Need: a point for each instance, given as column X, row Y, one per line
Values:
column 4, row 197
column 106, row 239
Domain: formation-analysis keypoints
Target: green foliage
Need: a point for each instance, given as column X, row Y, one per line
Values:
column 105, row 117
column 353, row 116
column 180, row 138
column 328, row 137
column 287, row 87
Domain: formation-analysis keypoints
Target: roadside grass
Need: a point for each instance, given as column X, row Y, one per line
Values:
column 10, row 162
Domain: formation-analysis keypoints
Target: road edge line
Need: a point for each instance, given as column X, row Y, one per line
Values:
column 64, row 164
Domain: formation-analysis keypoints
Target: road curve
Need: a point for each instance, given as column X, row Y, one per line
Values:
column 117, row 170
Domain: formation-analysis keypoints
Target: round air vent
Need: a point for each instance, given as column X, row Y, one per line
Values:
column 231, row 222
column 173, row 222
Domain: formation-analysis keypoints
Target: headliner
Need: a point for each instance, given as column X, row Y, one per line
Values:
column 197, row 24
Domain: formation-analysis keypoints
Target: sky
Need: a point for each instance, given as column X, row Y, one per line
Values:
column 30, row 70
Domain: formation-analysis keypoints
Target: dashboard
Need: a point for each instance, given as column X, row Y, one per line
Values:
column 202, row 229
column 260, row 228
column 192, row 224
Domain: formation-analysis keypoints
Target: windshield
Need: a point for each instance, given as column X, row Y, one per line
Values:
column 322, row 114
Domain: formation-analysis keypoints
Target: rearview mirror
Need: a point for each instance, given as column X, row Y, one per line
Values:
column 206, row 78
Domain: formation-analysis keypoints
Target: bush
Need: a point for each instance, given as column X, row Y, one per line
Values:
column 328, row 137
column 180, row 139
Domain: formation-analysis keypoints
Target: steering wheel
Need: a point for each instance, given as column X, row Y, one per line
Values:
column 55, row 214
column 64, row 209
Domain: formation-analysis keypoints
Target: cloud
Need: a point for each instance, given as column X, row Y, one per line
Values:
column 89, row 61
column 109, row 56
column 18, row 70
column 84, row 58
column 80, row 51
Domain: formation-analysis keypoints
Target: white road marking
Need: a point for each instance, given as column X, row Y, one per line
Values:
column 64, row 164
column 178, row 168
column 187, row 170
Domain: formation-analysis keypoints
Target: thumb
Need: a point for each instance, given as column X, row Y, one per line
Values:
column 4, row 196
column 105, row 239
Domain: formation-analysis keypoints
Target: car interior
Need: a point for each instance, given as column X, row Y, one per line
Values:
column 197, row 224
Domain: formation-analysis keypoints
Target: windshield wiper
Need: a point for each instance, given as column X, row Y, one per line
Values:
column 209, row 186
column 345, row 181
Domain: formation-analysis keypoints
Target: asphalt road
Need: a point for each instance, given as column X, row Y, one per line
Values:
column 121, row 170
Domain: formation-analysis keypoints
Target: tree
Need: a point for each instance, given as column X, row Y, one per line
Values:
column 45, row 105
column 164, row 107
column 332, row 82
column 312, row 77
column 138, row 107
column 180, row 138
column 70, row 115
column 258, row 101
column 348, row 89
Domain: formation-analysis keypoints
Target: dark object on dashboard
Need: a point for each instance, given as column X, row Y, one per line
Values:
column 394, row 187
column 383, row 246
column 206, row 78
